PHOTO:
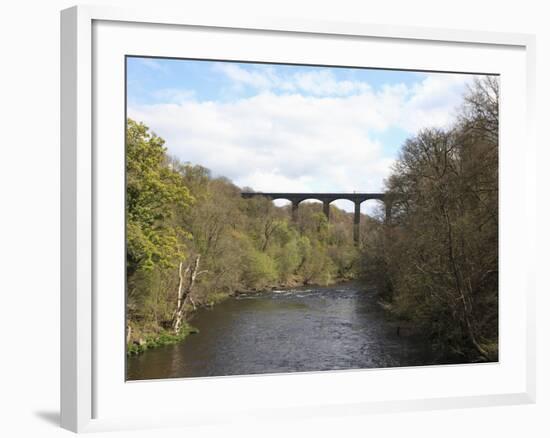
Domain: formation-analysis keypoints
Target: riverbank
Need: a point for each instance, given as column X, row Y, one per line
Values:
column 157, row 340
column 442, row 353
column 151, row 340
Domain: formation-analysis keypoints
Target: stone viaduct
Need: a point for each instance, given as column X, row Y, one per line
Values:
column 326, row 199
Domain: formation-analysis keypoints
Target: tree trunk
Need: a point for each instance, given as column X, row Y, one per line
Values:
column 459, row 288
column 182, row 294
column 184, row 291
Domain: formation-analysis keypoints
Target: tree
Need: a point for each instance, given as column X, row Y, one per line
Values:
column 154, row 192
column 440, row 255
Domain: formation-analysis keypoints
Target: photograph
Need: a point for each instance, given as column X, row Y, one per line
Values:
column 285, row 218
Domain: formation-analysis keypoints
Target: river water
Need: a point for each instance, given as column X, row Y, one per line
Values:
column 303, row 329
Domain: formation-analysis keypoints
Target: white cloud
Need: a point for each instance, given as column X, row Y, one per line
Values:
column 290, row 142
column 262, row 80
column 173, row 95
column 434, row 100
column 319, row 82
column 323, row 82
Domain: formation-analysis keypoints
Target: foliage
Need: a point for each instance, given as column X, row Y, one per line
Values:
column 162, row 338
column 154, row 193
column 438, row 261
column 177, row 211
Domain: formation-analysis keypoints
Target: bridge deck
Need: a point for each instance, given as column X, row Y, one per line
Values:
column 299, row 197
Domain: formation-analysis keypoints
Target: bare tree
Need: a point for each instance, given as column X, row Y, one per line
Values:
column 187, row 280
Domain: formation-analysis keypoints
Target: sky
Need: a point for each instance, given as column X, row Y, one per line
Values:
column 283, row 128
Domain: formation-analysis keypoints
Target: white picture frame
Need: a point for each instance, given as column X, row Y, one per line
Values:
column 93, row 395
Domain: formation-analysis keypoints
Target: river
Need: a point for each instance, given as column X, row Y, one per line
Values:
column 303, row 329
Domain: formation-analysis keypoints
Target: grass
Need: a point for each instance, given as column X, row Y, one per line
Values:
column 216, row 297
column 160, row 339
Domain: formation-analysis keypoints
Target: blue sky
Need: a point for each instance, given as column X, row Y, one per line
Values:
column 289, row 128
column 148, row 76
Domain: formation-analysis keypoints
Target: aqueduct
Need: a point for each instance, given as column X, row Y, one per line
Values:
column 326, row 199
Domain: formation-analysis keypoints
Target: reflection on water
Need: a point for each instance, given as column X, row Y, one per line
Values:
column 303, row 329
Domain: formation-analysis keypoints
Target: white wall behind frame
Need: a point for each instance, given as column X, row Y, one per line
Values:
column 29, row 89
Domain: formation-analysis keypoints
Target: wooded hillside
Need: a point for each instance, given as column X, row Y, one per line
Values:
column 192, row 240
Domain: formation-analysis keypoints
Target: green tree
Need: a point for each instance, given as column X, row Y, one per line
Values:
column 259, row 270
column 154, row 193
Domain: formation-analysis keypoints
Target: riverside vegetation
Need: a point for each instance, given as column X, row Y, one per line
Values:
column 193, row 241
